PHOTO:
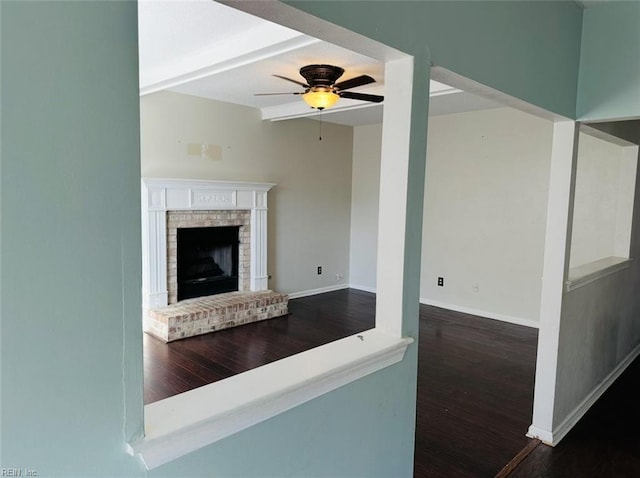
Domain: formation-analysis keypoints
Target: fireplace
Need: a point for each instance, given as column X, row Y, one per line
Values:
column 204, row 257
column 208, row 230
column 171, row 204
column 207, row 261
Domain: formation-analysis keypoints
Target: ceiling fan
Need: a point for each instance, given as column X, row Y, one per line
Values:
column 321, row 90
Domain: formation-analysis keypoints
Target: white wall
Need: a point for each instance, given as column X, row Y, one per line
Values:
column 603, row 202
column 309, row 209
column 485, row 200
column 485, row 211
column 364, row 206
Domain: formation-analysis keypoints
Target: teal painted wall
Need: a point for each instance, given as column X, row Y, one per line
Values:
column 527, row 49
column 359, row 430
column 609, row 86
column 70, row 271
column 71, row 335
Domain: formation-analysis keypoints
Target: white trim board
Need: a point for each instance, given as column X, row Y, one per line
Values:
column 363, row 288
column 465, row 310
column 457, row 308
column 554, row 437
column 482, row 313
column 321, row 290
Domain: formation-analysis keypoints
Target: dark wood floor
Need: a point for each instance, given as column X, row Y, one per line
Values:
column 186, row 364
column 475, row 387
column 475, row 393
column 604, row 443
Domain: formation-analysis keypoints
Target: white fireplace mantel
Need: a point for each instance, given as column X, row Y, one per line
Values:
column 162, row 195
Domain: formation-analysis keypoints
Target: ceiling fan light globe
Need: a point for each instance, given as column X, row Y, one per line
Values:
column 320, row 99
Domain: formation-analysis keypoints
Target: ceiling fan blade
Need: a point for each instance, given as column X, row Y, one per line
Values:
column 353, row 82
column 273, row 94
column 304, row 85
column 361, row 96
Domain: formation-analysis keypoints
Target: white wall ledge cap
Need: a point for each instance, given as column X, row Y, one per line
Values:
column 189, row 421
column 592, row 271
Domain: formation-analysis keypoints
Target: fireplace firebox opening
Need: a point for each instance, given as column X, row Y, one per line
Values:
column 207, row 261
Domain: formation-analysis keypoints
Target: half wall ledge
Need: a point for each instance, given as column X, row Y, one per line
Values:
column 596, row 270
column 189, row 421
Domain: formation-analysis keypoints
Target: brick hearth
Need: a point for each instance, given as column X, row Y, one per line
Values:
column 191, row 317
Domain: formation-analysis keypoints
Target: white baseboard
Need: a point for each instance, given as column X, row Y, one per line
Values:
column 553, row 438
column 482, row 313
column 363, row 288
column 545, row 436
column 321, row 290
column 465, row 310
column 435, row 303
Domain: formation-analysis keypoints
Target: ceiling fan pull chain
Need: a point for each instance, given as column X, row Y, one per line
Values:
column 320, row 114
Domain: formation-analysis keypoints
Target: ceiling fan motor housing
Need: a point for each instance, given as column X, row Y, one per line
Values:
column 321, row 75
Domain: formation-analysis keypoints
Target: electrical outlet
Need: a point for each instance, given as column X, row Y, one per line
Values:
column 319, row 270
column 339, row 277
column 441, row 281
column 476, row 287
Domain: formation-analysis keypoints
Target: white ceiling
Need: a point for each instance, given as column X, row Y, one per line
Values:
column 206, row 49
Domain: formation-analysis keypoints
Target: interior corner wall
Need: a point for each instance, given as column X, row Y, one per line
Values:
column 309, row 208
column 365, row 195
column 599, row 332
column 599, row 328
column 609, row 80
column 603, row 201
column 485, row 211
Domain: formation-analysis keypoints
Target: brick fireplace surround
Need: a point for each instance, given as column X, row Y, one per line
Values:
column 178, row 219
column 171, row 204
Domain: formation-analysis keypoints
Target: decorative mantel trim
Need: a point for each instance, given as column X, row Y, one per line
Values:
column 162, row 195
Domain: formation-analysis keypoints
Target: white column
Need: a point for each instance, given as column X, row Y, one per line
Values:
column 556, row 264
column 259, row 275
column 158, row 292
column 392, row 214
column 154, row 248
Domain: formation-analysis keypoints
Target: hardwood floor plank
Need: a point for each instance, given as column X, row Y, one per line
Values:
column 604, row 443
column 475, row 375
column 516, row 460
column 466, row 413
column 313, row 321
